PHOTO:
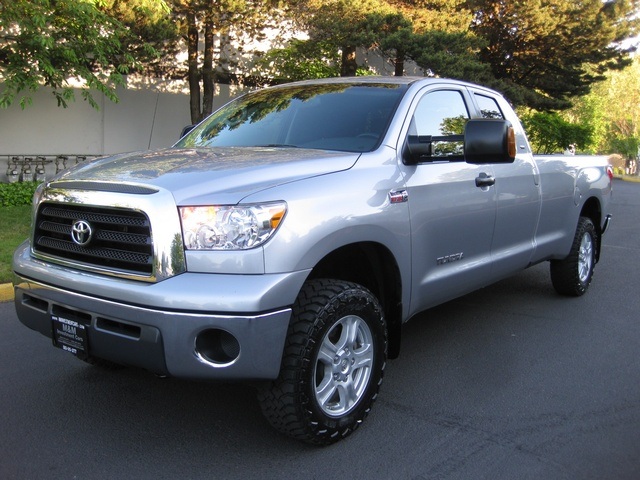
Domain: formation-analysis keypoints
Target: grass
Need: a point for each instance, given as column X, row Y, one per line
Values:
column 14, row 229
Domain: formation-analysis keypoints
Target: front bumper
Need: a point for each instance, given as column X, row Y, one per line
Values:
column 195, row 326
column 166, row 343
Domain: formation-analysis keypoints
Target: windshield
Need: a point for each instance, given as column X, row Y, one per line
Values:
column 343, row 117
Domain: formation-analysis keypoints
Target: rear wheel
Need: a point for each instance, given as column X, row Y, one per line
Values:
column 332, row 365
column 572, row 276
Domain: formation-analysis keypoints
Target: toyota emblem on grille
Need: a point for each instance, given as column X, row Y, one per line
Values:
column 81, row 232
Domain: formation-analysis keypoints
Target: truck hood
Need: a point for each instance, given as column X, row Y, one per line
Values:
column 222, row 175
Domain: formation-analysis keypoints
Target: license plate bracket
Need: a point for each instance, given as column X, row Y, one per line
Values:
column 70, row 336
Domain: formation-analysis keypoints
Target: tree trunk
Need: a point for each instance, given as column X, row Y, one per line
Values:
column 207, row 68
column 194, row 73
column 349, row 65
column 398, row 64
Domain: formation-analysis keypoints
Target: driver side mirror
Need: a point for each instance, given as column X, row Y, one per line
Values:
column 485, row 141
column 186, row 130
column 489, row 141
column 431, row 148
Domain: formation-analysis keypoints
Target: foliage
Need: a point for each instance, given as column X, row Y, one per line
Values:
column 300, row 60
column 429, row 22
column 14, row 229
column 543, row 53
column 435, row 15
column 550, row 133
column 399, row 29
column 19, row 193
column 591, row 110
column 612, row 108
column 203, row 22
column 628, row 147
column 444, row 54
column 348, row 25
column 150, row 34
column 47, row 42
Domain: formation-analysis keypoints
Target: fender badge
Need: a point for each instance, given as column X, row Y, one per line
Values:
column 449, row 258
column 398, row 196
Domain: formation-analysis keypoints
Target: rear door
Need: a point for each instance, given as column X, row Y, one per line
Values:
column 518, row 196
column 452, row 218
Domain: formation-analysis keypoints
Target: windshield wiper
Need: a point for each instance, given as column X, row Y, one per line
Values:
column 278, row 145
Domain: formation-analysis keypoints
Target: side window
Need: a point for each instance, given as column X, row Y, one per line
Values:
column 488, row 107
column 441, row 115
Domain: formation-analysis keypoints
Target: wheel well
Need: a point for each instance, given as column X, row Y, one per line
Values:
column 374, row 267
column 593, row 210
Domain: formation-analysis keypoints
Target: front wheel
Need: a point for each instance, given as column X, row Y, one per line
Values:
column 332, row 365
column 572, row 276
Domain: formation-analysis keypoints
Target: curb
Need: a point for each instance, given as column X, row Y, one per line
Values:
column 628, row 178
column 6, row 292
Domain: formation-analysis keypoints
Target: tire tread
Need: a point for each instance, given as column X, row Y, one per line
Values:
column 283, row 401
column 564, row 273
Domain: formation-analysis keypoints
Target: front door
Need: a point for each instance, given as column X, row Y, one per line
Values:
column 452, row 214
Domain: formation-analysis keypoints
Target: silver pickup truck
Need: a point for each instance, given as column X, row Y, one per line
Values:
column 287, row 238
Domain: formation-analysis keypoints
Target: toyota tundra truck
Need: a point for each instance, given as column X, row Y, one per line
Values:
column 286, row 239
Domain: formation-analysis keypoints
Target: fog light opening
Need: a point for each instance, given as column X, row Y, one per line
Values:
column 217, row 346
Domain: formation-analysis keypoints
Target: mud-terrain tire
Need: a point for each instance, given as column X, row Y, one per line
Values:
column 572, row 275
column 332, row 365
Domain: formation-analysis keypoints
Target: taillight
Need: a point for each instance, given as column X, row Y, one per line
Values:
column 610, row 173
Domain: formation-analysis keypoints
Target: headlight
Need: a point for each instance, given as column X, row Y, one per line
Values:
column 230, row 227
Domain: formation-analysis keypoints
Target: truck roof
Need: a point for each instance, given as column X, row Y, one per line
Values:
column 382, row 79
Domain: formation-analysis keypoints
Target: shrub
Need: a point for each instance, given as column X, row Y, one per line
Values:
column 19, row 193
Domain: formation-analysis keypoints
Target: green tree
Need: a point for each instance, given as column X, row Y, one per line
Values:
column 300, row 60
column 444, row 54
column 430, row 22
column 612, row 108
column 622, row 110
column 628, row 147
column 591, row 110
column 46, row 42
column 433, row 33
column 335, row 28
column 548, row 132
column 348, row 25
column 207, row 27
column 545, row 52
column 150, row 36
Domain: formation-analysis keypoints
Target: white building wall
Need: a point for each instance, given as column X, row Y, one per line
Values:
column 142, row 119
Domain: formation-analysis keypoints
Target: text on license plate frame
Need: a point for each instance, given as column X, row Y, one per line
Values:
column 70, row 336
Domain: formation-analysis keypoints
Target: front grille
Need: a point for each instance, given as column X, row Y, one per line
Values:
column 120, row 239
